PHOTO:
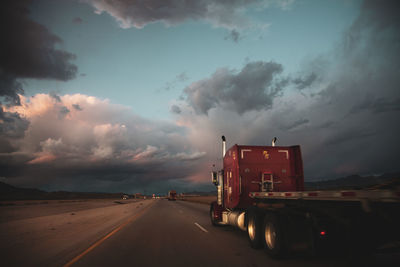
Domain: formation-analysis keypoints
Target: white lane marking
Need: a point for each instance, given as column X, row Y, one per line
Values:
column 201, row 227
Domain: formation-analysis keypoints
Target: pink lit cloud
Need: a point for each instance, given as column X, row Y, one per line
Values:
column 98, row 135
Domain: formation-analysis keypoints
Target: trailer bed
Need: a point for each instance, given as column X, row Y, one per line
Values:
column 342, row 195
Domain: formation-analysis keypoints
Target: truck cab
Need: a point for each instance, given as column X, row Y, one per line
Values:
column 249, row 169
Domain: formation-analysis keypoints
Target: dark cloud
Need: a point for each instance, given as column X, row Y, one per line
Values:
column 100, row 177
column 358, row 98
column 349, row 135
column 77, row 20
column 378, row 24
column 253, row 88
column 348, row 126
column 371, row 47
column 77, row 107
column 27, row 50
column 234, row 35
column 326, row 124
column 295, row 124
column 377, row 105
column 12, row 125
column 136, row 14
column 12, row 128
column 10, row 87
column 305, row 82
column 5, row 146
column 175, row 109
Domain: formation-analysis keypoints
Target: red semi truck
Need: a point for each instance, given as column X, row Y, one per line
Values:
column 261, row 190
column 172, row 195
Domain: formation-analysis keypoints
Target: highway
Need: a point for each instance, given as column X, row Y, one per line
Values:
column 146, row 233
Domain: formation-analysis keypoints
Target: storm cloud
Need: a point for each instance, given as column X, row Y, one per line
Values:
column 10, row 87
column 98, row 142
column 12, row 129
column 28, row 50
column 227, row 14
column 253, row 88
column 343, row 110
column 304, row 82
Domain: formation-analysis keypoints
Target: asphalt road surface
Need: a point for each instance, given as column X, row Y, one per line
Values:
column 24, row 209
column 147, row 233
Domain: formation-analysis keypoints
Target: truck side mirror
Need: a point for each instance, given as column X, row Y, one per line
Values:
column 214, row 178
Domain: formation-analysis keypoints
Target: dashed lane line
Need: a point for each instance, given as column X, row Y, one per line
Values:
column 201, row 227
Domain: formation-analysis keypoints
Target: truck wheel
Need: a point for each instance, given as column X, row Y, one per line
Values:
column 273, row 239
column 212, row 217
column 254, row 228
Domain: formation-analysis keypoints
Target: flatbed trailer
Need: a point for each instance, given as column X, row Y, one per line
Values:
column 281, row 217
column 363, row 196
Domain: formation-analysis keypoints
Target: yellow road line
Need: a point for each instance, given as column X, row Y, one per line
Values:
column 107, row 236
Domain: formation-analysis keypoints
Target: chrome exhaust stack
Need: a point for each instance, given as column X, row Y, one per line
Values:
column 217, row 177
column 223, row 146
column 274, row 141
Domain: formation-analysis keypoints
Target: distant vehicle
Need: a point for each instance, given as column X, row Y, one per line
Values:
column 172, row 195
column 125, row 197
column 261, row 190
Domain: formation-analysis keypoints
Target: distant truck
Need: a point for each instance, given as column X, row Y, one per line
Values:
column 261, row 190
column 172, row 195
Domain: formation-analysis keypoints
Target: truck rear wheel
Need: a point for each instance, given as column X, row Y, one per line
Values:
column 212, row 216
column 254, row 227
column 273, row 236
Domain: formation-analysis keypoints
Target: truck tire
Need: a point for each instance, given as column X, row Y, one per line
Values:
column 273, row 238
column 214, row 222
column 254, row 227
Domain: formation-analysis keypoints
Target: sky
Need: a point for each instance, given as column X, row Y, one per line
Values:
column 133, row 96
